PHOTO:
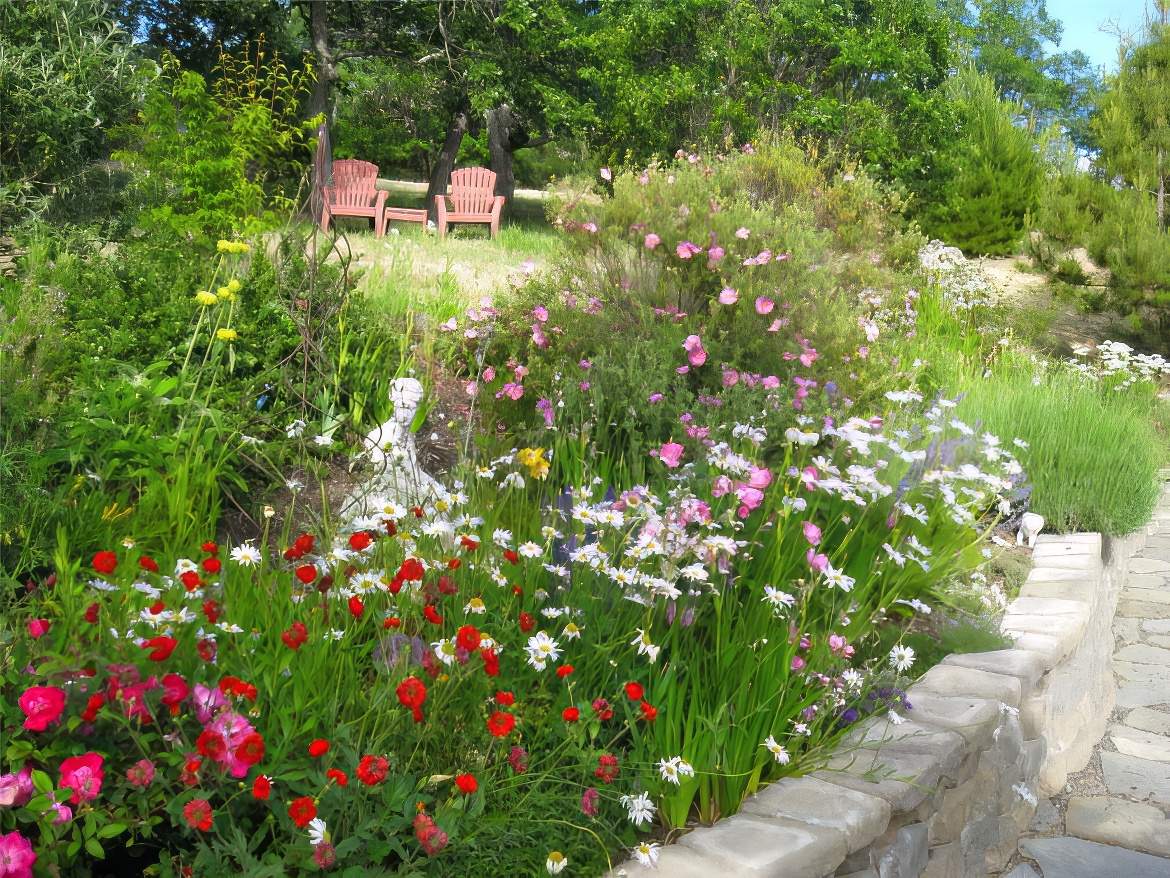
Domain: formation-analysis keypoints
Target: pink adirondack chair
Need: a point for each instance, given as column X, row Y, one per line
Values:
column 472, row 200
column 353, row 194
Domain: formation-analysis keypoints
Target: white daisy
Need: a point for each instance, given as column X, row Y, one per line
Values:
column 645, row 647
column 647, row 852
column 901, row 657
column 530, row 550
column 778, row 752
column 641, row 809
column 246, row 555
column 317, row 831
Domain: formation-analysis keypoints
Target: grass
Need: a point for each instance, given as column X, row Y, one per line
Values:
column 1093, row 453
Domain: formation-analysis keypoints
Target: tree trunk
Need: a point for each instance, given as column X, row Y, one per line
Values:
column 445, row 163
column 506, row 134
column 327, row 74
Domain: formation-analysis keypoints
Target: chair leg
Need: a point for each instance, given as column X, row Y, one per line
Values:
column 442, row 227
column 325, row 218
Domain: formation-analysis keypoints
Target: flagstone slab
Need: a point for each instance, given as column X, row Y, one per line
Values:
column 1148, row 720
column 1136, row 778
column 1139, row 744
column 1162, row 640
column 1048, row 574
column 753, row 847
column 1147, row 580
column 1130, row 694
column 1119, row 822
column 1144, row 654
column 1068, row 589
column 1026, row 666
column 1149, row 596
column 902, row 779
column 1023, row 870
column 860, row 818
column 1156, row 626
column 1148, row 565
column 945, row 679
column 1138, row 609
column 1138, row 673
column 1077, row 858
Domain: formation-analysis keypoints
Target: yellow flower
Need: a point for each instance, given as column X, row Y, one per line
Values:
column 204, row 298
column 234, row 285
column 228, row 335
column 534, row 460
column 225, row 293
column 224, row 246
column 239, row 247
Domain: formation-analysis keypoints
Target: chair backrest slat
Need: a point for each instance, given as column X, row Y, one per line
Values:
column 473, row 190
column 353, row 183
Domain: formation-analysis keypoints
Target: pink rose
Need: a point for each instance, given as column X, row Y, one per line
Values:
column 16, row 789
column 16, row 855
column 42, row 705
column 83, row 775
column 671, row 453
column 38, row 627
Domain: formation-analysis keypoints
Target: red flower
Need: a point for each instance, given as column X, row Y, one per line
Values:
column 491, row 662
column 337, row 776
column 429, row 835
column 148, row 564
column 198, row 813
column 302, row 811
column 418, row 511
column 261, row 787
column 190, row 773
column 391, row 528
column 634, row 691
column 466, row 783
column 564, row 671
column 211, row 611
column 500, row 724
column 318, row 748
column 589, row 802
column 507, row 699
column 601, row 710
column 91, row 613
column 296, row 636
column 517, row 590
column 359, row 541
column 411, row 570
column 432, row 615
column 518, row 759
column 326, row 583
column 157, row 607
column 306, row 573
column 447, row 585
column 411, row 694
column 649, row 711
column 607, row 768
column 454, row 564
column 527, row 622
column 511, row 556
column 468, row 637
column 190, row 580
column 105, row 562
column 571, row 714
column 210, row 548
column 206, row 649
column 212, row 565
column 391, row 622
column 468, row 543
column 161, row 647
column 211, row 745
column 238, row 688
column 251, row 749
column 176, row 691
column 92, row 707
column 38, row 628
column 372, row 770
column 356, row 607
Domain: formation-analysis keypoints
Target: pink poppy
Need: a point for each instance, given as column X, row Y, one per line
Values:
column 42, row 705
column 651, row 241
column 540, row 313
column 686, row 249
column 538, row 337
column 763, row 256
column 671, row 453
column 83, row 775
column 742, row 233
column 764, row 305
column 771, row 382
column 714, row 256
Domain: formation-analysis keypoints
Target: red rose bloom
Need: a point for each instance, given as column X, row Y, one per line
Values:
column 468, row 637
column 527, row 622
column 210, row 548
column 92, row 707
column 161, row 647
column 564, row 671
column 105, row 562
column 261, row 787
column 198, row 813
column 649, row 711
column 571, row 714
column 356, row 607
column 306, row 573
column 507, row 699
column 302, row 811
column 91, row 613
column 251, row 749
column 318, row 748
column 634, row 691
column 466, row 783
column 359, row 541
column 500, row 724
column 212, row 565
column 511, row 556
column 337, row 776
column 372, row 770
column 148, row 564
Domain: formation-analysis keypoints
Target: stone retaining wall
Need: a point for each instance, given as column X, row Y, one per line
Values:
column 946, row 793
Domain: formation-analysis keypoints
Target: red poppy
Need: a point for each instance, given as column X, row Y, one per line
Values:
column 447, row 585
column 372, row 770
column 511, row 556
column 91, row 613
column 432, row 615
column 148, row 564
column 251, row 749
column 527, row 622
column 198, row 813
column 212, row 565
column 418, row 511
column 261, row 787
column 601, row 710
column 649, row 711
column 392, row 622
column 411, row 570
column 190, row 580
column 306, row 573
column 318, row 748
column 356, row 607
column 291, row 640
column 302, row 811
column 206, row 649
column 517, row 590
column 466, row 783
column 468, row 637
column 571, row 714
column 564, row 671
column 468, row 543
column 304, row 543
column 634, row 691
column 105, row 562
column 359, row 541
column 491, row 662
column 210, row 548
column 92, row 707
column 211, row 745
column 500, row 724
column 505, row 698
column 211, row 611
column 454, row 564
column 337, row 776
column 391, row 528
column 161, row 647
column 412, row 693
column 326, row 583
column 157, row 607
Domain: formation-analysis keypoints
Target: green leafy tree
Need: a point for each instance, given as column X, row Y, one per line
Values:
column 65, row 77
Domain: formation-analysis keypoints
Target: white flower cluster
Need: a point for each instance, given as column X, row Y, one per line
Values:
column 959, row 280
column 1115, row 358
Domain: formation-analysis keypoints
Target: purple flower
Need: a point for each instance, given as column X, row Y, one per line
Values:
column 728, row 296
column 585, row 364
column 764, row 305
column 545, row 407
column 540, row 313
column 730, row 378
column 584, row 385
column 655, row 397
column 686, row 249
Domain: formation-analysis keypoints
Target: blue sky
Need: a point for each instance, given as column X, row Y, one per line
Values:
column 1083, row 18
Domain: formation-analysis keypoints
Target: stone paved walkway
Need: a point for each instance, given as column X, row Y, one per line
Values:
column 1111, row 819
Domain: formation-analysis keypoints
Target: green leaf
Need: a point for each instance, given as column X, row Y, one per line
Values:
column 111, row 829
column 95, row 848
